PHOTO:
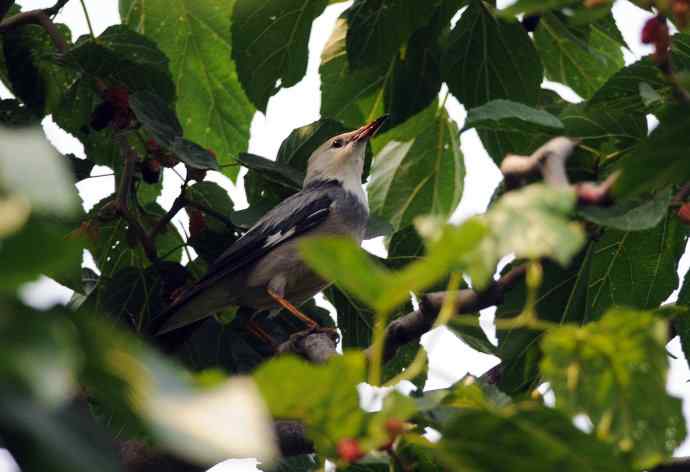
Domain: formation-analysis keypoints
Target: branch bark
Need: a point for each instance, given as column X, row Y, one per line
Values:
column 36, row 17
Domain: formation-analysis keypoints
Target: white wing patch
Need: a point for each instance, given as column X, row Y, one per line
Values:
column 275, row 238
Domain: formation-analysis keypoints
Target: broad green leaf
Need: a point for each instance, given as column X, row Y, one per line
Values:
column 297, row 148
column 505, row 115
column 546, row 439
column 636, row 269
column 343, row 262
column 132, row 297
column 378, row 28
column 531, row 7
column 561, row 298
column 270, row 42
column 631, row 214
column 582, row 57
column 323, row 396
column 418, row 177
column 195, row 35
column 156, row 117
column 193, row 155
column 119, row 56
column 494, row 53
column 33, row 75
column 658, row 161
column 40, row 175
column 530, row 223
column 614, row 370
column 213, row 196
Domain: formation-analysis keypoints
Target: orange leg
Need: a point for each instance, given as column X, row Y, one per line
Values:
column 292, row 309
column 254, row 328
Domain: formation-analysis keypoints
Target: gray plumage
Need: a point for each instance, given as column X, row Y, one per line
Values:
column 266, row 257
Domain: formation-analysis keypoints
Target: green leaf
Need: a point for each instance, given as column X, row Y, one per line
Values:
column 122, row 57
column 270, row 42
column 530, row 7
column 41, row 175
column 636, row 269
column 323, row 396
column 614, row 370
column 631, row 214
column 658, row 161
column 481, row 441
column 342, row 261
column 378, row 28
column 497, row 54
column 561, row 298
column 194, row 155
column 530, row 223
column 156, row 117
column 196, row 37
column 582, row 57
column 418, row 177
column 296, row 149
column 33, row 76
column 505, row 115
column 211, row 195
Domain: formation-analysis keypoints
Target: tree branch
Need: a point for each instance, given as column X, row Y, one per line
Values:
column 315, row 346
column 679, row 464
column 36, row 17
column 137, row 456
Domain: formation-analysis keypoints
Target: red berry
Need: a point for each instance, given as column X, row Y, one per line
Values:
column 684, row 213
column 349, row 450
column 151, row 171
column 395, row 427
column 650, row 31
column 152, row 147
column 118, row 96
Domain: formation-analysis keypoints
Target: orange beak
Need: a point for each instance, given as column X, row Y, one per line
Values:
column 367, row 131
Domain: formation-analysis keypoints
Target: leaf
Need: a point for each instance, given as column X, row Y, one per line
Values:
column 499, row 55
column 547, row 440
column 213, row 196
column 530, row 7
column 194, row 155
column 156, row 117
column 658, row 161
column 631, row 214
column 33, row 76
column 505, row 115
column 582, row 57
column 342, row 261
column 195, row 35
column 40, row 176
column 297, row 148
column 121, row 56
column 562, row 297
column 422, row 176
column 378, row 28
column 614, row 370
column 270, row 42
column 323, row 396
column 530, row 223
column 636, row 269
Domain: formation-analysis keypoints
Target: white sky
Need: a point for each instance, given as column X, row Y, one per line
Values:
column 450, row 359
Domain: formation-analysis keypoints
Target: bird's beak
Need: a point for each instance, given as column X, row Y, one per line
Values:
column 367, row 131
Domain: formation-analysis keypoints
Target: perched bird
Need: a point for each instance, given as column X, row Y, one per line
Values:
column 263, row 270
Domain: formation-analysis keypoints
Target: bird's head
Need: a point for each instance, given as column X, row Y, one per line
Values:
column 342, row 157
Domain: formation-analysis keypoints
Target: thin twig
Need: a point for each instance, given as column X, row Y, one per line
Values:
column 88, row 19
column 55, row 9
column 177, row 205
column 36, row 17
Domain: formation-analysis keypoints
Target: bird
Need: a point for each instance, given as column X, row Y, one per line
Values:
column 263, row 270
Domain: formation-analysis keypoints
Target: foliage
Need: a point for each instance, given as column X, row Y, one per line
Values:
column 177, row 84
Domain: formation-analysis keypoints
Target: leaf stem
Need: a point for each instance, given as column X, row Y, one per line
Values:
column 88, row 19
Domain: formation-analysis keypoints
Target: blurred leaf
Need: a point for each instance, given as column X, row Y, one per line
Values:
column 530, row 7
column 418, row 177
column 636, row 269
column 504, row 115
column 270, row 44
column 121, row 56
column 396, row 407
column 323, row 396
column 547, row 440
column 34, row 77
column 15, row 114
column 42, row 246
column 40, row 175
column 302, row 463
column 342, row 261
column 631, row 214
column 378, row 28
column 582, row 57
column 196, row 37
column 622, row 356
column 132, row 297
column 530, row 223
column 497, row 54
column 63, row 440
column 658, row 161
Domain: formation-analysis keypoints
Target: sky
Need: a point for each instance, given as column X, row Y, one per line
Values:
column 297, row 106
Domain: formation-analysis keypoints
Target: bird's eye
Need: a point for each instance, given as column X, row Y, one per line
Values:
column 338, row 143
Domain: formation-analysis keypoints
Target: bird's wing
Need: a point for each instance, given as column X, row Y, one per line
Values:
column 294, row 216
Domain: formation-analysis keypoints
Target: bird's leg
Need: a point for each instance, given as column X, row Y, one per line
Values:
column 311, row 324
column 255, row 329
